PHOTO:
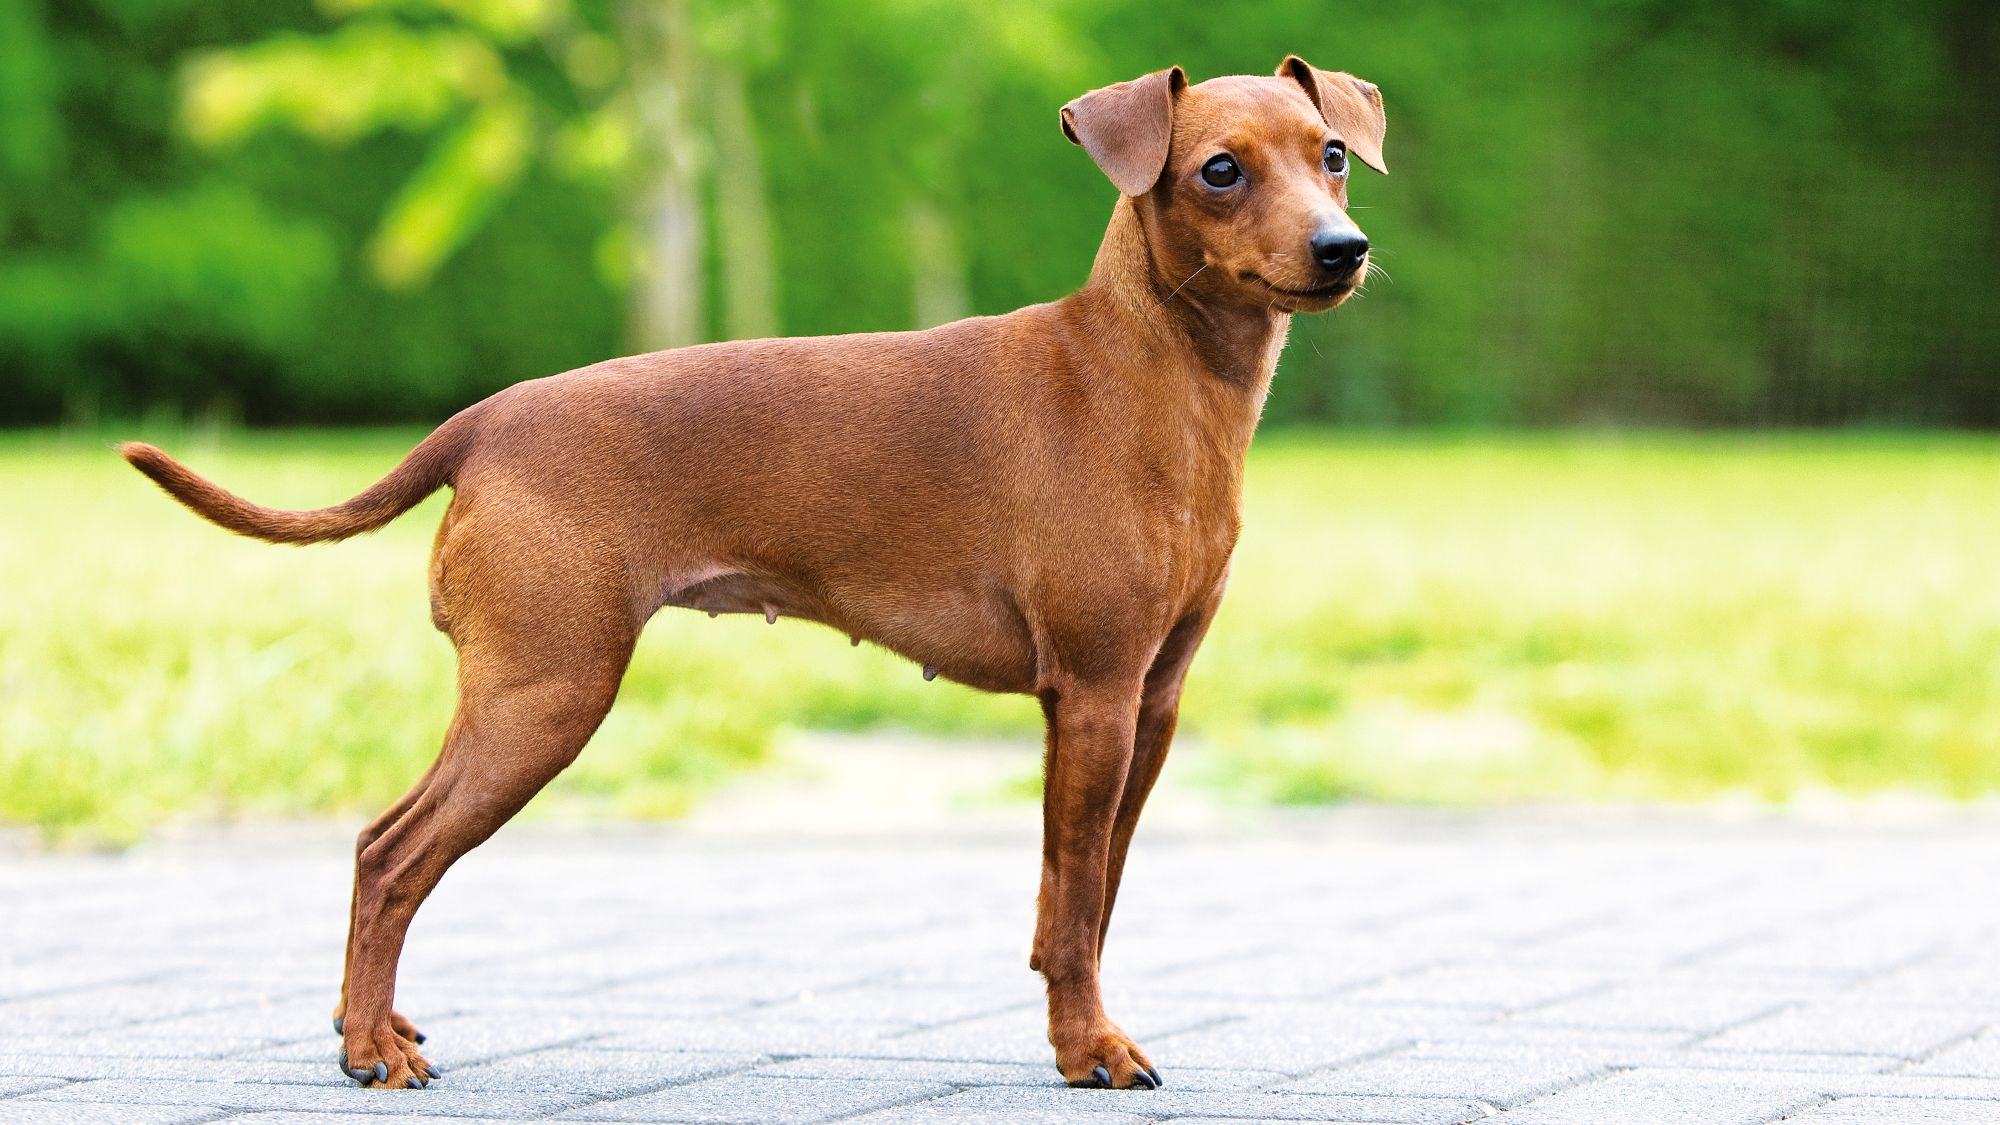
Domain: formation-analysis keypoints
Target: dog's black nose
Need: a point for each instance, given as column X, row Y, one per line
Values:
column 1339, row 251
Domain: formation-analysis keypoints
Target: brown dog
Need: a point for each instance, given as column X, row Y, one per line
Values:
column 1043, row 502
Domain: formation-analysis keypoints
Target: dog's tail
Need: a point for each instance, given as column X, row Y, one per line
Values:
column 429, row 467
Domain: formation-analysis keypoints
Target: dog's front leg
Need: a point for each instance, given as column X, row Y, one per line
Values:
column 1159, row 710
column 1091, row 729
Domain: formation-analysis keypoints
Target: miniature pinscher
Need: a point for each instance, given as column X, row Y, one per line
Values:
column 1043, row 502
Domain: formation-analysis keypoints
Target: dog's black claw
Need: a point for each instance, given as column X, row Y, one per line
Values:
column 339, row 1025
column 381, row 1072
column 432, row 1071
column 360, row 1074
column 419, row 1040
column 1142, row 1079
column 1154, row 1074
column 1103, row 1077
column 415, row 1083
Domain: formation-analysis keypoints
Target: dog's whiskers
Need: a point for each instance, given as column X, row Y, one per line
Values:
column 1183, row 283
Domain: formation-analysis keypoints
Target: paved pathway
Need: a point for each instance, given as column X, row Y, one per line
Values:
column 1354, row 966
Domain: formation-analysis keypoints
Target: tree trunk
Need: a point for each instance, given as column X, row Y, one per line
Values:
column 667, row 277
column 742, row 212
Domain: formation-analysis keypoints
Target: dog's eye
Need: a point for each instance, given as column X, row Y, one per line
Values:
column 1220, row 172
column 1336, row 158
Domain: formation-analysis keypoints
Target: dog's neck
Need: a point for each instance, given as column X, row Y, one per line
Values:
column 1236, row 345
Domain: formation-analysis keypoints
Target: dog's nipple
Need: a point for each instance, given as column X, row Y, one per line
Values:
column 713, row 613
column 930, row 672
column 770, row 614
column 854, row 642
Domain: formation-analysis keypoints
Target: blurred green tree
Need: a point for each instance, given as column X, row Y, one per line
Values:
column 680, row 125
column 139, row 270
column 1608, row 211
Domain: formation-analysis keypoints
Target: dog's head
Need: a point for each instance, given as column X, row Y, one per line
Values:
column 1241, row 182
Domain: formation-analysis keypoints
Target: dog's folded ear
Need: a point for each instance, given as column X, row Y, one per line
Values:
column 1351, row 106
column 1126, row 127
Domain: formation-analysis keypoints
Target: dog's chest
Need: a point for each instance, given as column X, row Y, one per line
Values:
column 1190, row 500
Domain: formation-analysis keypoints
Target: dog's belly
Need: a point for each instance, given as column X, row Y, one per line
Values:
column 719, row 591
column 978, row 638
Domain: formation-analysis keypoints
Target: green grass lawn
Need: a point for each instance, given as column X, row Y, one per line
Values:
column 1412, row 619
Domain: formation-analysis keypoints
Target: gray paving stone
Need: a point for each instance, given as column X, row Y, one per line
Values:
column 1826, row 1083
column 1255, row 1121
column 596, row 1072
column 754, row 981
column 1767, row 1062
column 1532, row 1045
column 127, row 1045
column 1006, row 1037
column 1038, row 1075
column 1976, row 1056
column 1504, row 987
column 755, row 1100
column 1864, row 1029
column 130, row 1113
column 306, row 1117
column 1666, row 1005
column 56, row 975
column 1869, row 945
column 1386, row 967
column 1639, row 1098
column 1916, row 1086
column 751, row 1032
column 1628, row 947
column 78, row 1068
column 1171, row 1103
column 1896, row 1111
column 108, row 1007
column 267, row 1025
column 1281, row 973
column 948, row 1073
column 1497, row 1083
column 349, row 1098
column 945, row 1110
column 1299, row 1038
column 1245, row 1121
column 902, row 1003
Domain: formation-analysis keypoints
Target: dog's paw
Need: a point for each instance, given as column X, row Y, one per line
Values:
column 1106, row 1058
column 386, row 1061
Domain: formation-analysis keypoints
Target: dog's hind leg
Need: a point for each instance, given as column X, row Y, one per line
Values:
column 542, row 648
column 368, row 836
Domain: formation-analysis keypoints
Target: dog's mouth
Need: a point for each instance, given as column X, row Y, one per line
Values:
column 1331, row 291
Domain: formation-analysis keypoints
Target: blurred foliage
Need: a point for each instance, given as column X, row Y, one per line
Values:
column 166, row 251
column 1607, row 210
